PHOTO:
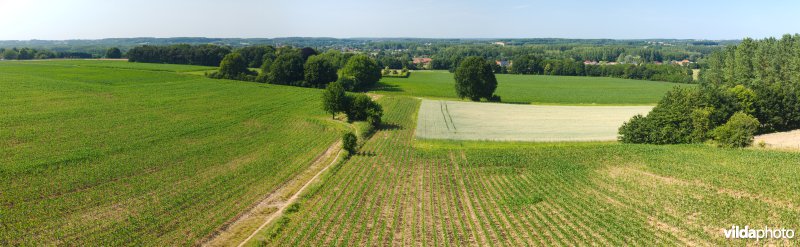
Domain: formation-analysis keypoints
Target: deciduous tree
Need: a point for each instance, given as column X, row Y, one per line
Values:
column 319, row 71
column 363, row 69
column 474, row 79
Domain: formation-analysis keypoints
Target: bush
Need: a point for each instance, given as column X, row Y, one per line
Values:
column 670, row 122
column 362, row 108
column 636, row 130
column 737, row 132
column 364, row 130
column 349, row 143
column 234, row 67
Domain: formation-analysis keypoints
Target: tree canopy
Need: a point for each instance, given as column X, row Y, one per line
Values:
column 254, row 55
column 334, row 99
column 287, row 69
column 362, row 108
column 307, row 52
column 207, row 55
column 319, row 71
column 363, row 69
column 474, row 79
column 113, row 53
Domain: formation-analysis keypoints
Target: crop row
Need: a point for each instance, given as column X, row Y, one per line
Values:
column 400, row 191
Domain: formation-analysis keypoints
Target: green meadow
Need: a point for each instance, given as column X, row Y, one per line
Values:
column 536, row 89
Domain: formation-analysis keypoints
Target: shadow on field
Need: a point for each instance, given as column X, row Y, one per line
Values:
column 366, row 153
column 389, row 126
column 380, row 86
column 514, row 102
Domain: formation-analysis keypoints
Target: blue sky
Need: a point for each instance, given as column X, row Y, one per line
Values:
column 618, row 19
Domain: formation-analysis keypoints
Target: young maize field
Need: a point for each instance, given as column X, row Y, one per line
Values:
column 113, row 153
column 400, row 192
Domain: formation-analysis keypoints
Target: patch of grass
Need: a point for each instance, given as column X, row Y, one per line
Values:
column 536, row 89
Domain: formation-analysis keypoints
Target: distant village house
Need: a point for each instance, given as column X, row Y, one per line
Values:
column 682, row 63
column 503, row 63
column 422, row 60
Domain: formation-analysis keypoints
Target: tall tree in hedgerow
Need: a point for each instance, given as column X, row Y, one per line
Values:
column 363, row 69
column 113, row 53
column 334, row 99
column 286, row 69
column 233, row 65
column 319, row 71
column 474, row 79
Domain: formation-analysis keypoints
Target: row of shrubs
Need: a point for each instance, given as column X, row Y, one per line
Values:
column 357, row 107
column 304, row 69
column 691, row 116
column 387, row 72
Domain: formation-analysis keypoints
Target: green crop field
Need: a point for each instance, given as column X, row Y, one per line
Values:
column 120, row 65
column 116, row 153
column 399, row 191
column 536, row 89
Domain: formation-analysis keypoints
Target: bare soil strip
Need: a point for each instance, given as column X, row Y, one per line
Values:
column 273, row 206
column 789, row 140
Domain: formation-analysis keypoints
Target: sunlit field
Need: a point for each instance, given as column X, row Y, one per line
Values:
column 537, row 89
column 401, row 191
column 125, row 153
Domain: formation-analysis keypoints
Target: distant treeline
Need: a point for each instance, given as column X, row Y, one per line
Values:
column 653, row 72
column 207, row 55
column 303, row 67
column 28, row 53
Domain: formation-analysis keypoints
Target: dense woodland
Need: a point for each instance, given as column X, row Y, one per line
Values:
column 530, row 64
column 29, row 53
column 207, row 55
column 748, row 88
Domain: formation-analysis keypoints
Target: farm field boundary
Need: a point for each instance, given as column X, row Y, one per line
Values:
column 457, row 120
column 244, row 227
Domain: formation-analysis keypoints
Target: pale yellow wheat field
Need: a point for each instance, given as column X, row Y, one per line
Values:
column 507, row 122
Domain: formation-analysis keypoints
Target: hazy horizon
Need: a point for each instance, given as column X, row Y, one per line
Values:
column 618, row 19
column 345, row 38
